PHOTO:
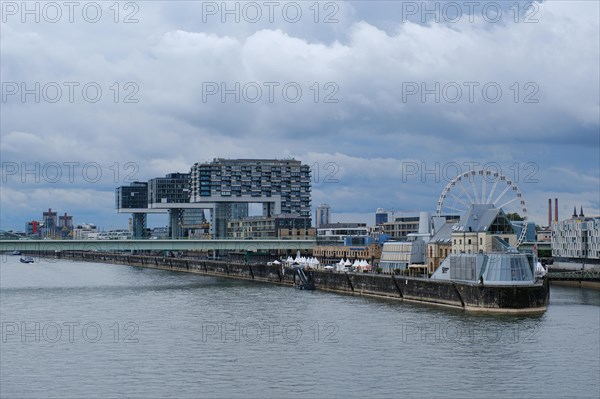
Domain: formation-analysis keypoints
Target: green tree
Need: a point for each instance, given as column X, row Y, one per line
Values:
column 514, row 217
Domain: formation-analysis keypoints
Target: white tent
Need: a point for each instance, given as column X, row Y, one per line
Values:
column 539, row 270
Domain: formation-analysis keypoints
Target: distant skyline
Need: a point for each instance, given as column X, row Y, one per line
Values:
column 382, row 99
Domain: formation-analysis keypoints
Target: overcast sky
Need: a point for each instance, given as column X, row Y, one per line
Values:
column 370, row 94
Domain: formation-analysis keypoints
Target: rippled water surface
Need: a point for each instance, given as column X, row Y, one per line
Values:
column 72, row 329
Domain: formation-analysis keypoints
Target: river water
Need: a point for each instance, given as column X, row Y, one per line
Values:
column 73, row 330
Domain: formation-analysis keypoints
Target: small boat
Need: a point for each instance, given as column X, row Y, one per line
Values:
column 27, row 259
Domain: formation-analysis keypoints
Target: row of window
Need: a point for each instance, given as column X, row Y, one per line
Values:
column 398, row 256
column 468, row 242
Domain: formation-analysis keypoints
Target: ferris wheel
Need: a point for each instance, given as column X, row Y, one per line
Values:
column 483, row 186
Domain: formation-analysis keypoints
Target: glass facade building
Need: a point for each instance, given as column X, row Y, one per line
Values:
column 133, row 196
column 282, row 184
column 173, row 188
column 323, row 215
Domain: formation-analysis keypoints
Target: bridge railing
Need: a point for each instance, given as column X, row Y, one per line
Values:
column 583, row 275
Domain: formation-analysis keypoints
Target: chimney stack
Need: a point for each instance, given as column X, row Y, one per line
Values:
column 556, row 209
column 549, row 212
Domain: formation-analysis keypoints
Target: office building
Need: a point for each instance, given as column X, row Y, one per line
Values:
column 227, row 186
column 272, row 227
column 346, row 240
column 170, row 193
column 33, row 228
column 343, row 233
column 65, row 222
column 50, row 224
column 576, row 239
column 323, row 215
column 174, row 188
column 381, row 217
column 65, row 226
column 401, row 227
column 134, row 199
column 84, row 231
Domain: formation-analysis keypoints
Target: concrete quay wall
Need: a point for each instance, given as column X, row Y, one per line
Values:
column 459, row 295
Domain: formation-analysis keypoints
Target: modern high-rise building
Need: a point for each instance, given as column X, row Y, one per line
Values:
column 134, row 199
column 381, row 217
column 50, row 220
column 168, row 193
column 134, row 196
column 33, row 228
column 225, row 187
column 65, row 225
column 65, row 221
column 173, row 188
column 323, row 215
column 229, row 185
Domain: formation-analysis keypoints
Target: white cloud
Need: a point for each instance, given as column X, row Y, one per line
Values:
column 171, row 55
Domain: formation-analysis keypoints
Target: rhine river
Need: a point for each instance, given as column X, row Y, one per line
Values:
column 74, row 330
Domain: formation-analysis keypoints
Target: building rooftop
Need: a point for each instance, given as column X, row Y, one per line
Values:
column 339, row 225
column 478, row 218
column 255, row 161
column 443, row 235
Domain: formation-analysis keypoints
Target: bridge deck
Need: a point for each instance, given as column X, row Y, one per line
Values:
column 154, row 245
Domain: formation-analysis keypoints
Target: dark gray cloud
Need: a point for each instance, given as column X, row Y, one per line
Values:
column 362, row 107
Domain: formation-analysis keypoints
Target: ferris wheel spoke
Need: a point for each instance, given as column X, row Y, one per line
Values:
column 459, row 200
column 466, row 193
column 475, row 193
column 455, row 209
column 508, row 202
column 483, row 183
column 489, row 198
column 501, row 194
